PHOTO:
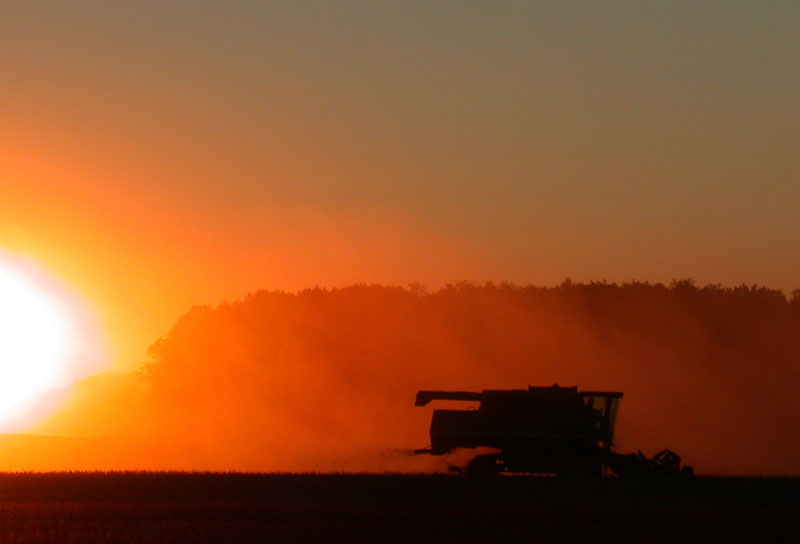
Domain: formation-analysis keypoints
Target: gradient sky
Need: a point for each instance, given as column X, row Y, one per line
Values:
column 156, row 155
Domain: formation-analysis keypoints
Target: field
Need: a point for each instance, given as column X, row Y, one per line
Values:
column 210, row 507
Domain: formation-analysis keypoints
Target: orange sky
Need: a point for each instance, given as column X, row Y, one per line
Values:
column 156, row 155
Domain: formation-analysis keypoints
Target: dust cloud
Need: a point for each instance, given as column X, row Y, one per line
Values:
column 324, row 380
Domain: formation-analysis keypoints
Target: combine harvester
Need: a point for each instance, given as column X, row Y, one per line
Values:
column 540, row 430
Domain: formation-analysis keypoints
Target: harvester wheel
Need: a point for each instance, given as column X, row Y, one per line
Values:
column 582, row 466
column 485, row 465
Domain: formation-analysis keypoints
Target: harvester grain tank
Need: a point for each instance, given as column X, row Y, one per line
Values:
column 555, row 430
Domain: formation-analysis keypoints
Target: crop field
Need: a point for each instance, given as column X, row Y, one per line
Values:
column 213, row 507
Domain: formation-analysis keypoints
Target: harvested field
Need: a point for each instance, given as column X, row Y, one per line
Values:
column 213, row 507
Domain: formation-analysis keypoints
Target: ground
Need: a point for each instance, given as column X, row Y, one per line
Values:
column 201, row 507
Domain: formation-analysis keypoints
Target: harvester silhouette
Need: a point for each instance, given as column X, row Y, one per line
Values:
column 540, row 430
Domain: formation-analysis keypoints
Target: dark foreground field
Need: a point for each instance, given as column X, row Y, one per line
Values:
column 175, row 507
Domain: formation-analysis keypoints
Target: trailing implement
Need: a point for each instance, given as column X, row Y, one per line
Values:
column 539, row 430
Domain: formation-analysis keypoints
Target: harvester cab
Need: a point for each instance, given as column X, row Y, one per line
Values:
column 538, row 430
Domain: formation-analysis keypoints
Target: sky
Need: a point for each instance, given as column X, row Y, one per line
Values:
column 155, row 155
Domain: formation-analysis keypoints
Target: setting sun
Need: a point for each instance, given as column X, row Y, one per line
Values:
column 43, row 341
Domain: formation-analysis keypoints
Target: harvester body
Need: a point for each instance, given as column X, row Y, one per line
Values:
column 557, row 430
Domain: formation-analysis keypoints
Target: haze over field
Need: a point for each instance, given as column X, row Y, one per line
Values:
column 157, row 155
column 325, row 380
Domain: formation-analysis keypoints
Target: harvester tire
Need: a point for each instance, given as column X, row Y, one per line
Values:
column 485, row 465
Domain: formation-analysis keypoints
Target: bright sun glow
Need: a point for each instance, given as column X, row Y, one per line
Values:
column 42, row 340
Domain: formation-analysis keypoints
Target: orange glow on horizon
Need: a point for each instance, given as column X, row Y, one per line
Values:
column 232, row 235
